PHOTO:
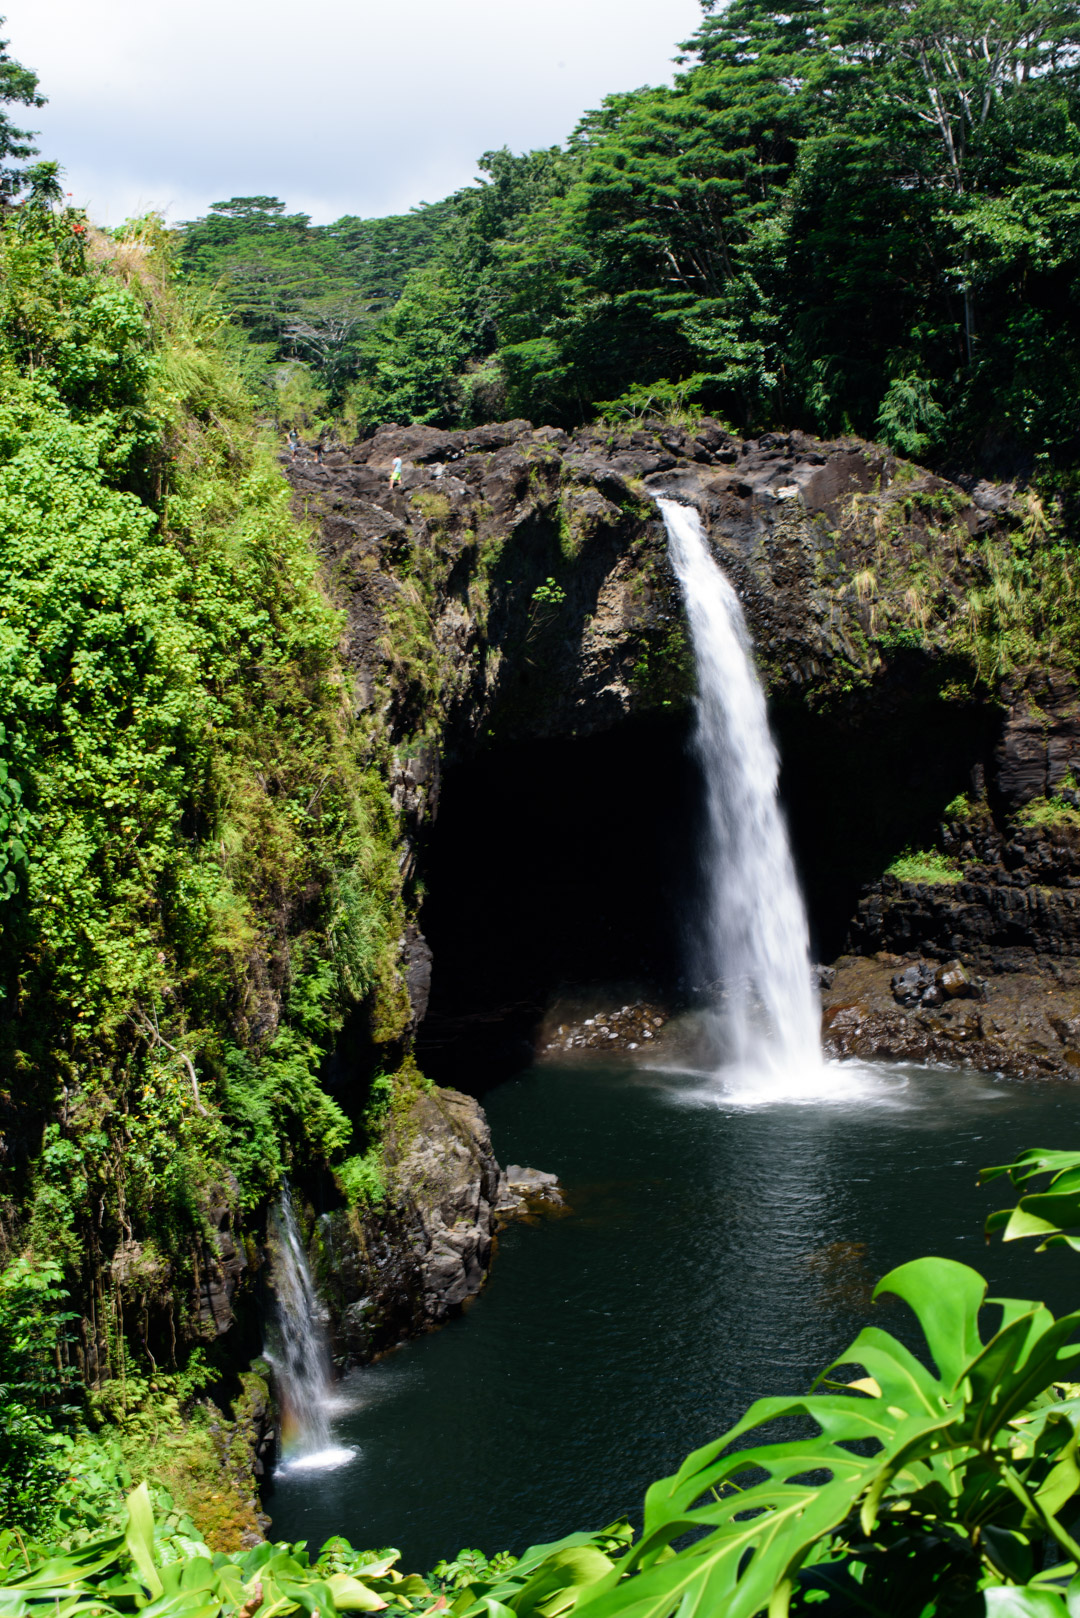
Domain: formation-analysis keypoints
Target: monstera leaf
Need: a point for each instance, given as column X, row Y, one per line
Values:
column 934, row 1439
column 1050, row 1214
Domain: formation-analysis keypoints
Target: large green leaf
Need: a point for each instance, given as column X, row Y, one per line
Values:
column 140, row 1538
column 1053, row 1214
column 903, row 1430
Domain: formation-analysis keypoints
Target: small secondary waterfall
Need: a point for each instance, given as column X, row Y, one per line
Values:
column 754, row 938
column 300, row 1355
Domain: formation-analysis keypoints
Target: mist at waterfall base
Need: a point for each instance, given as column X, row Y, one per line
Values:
column 716, row 1253
column 751, row 947
column 299, row 1352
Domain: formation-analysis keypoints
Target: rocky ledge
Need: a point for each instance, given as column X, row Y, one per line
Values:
column 1014, row 892
column 529, row 1192
column 1024, row 1021
column 567, row 1032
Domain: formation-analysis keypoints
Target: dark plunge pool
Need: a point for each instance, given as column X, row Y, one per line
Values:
column 716, row 1252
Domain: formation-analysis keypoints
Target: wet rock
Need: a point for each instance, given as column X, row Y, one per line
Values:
column 1067, row 1030
column 909, row 986
column 1011, row 1029
column 629, row 1027
column 846, row 1017
column 956, row 981
column 528, row 1190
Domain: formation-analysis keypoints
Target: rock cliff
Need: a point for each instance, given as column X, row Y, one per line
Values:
column 514, row 587
column 390, row 1274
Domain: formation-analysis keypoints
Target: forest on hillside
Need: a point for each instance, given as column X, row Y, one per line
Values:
column 855, row 217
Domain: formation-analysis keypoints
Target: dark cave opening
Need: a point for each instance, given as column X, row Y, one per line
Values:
column 559, row 867
column 553, row 865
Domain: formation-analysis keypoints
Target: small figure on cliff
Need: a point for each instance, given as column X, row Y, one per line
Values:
column 294, row 442
column 395, row 472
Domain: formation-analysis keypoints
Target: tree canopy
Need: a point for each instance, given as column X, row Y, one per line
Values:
column 847, row 216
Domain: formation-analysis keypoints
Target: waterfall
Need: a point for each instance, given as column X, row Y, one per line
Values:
column 300, row 1354
column 753, row 936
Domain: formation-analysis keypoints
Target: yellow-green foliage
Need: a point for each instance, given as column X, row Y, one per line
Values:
column 924, row 865
column 432, row 505
column 1049, row 812
column 961, row 807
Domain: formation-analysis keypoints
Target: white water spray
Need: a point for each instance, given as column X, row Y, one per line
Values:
column 301, row 1355
column 754, row 941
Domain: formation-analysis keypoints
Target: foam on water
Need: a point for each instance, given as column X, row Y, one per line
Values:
column 321, row 1460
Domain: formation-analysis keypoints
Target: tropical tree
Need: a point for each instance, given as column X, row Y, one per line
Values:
column 18, row 86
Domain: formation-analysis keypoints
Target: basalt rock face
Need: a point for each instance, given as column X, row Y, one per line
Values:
column 514, row 587
column 391, row 1273
column 1015, row 850
column 1020, row 892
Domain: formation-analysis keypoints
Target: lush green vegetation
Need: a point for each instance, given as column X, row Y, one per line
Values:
column 198, row 879
column 1055, row 811
column 855, row 217
column 306, row 295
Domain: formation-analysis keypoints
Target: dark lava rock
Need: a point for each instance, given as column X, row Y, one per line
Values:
column 909, row 986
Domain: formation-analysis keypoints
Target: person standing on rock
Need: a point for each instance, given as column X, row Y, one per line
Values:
column 395, row 472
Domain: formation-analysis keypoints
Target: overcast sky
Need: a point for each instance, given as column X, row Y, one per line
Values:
column 337, row 106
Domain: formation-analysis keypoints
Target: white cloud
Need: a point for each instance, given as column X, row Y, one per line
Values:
column 337, row 107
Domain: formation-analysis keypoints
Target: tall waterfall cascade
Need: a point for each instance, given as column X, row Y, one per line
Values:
column 300, row 1353
column 752, row 936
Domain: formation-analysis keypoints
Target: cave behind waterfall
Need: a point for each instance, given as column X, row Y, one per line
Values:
column 554, row 866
